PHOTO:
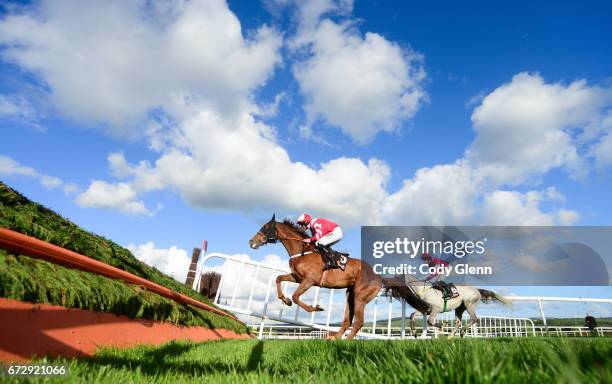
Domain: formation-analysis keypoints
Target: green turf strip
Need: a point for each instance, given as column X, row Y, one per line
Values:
column 33, row 280
column 526, row 360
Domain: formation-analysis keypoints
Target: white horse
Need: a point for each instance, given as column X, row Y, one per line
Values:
column 468, row 299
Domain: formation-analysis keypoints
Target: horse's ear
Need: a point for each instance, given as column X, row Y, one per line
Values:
column 273, row 217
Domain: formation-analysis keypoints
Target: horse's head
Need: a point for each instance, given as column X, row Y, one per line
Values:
column 265, row 235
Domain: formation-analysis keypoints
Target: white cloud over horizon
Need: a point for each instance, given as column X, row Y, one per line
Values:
column 113, row 196
column 234, row 161
column 134, row 57
column 527, row 127
column 17, row 108
column 363, row 85
column 173, row 261
column 10, row 168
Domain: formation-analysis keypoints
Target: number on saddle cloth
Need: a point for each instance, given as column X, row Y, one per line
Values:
column 341, row 259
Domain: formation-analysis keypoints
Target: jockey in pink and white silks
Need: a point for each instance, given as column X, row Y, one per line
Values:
column 325, row 233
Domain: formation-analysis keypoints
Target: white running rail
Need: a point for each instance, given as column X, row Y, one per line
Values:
column 249, row 288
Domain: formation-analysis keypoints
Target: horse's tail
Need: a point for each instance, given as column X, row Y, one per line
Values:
column 487, row 296
column 400, row 290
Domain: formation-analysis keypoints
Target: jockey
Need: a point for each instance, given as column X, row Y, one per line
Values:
column 433, row 262
column 436, row 262
column 325, row 233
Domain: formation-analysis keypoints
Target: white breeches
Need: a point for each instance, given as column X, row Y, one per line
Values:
column 331, row 238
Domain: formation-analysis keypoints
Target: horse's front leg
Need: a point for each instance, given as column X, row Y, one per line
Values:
column 431, row 319
column 279, row 289
column 303, row 287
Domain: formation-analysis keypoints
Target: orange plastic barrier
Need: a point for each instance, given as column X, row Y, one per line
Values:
column 30, row 246
column 49, row 330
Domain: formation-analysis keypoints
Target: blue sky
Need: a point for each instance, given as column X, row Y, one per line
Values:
column 386, row 112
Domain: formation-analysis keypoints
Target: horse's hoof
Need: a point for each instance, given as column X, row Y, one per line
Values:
column 288, row 302
column 318, row 308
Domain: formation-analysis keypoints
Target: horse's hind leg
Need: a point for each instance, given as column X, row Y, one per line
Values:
column 458, row 315
column 361, row 299
column 349, row 312
column 412, row 321
column 471, row 309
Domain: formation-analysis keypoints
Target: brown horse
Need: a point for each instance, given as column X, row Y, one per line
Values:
column 306, row 266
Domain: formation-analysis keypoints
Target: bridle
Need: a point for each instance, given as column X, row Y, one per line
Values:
column 269, row 233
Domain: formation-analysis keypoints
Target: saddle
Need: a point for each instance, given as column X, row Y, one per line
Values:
column 449, row 291
column 333, row 259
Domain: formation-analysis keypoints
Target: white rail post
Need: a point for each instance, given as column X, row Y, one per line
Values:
column 374, row 320
column 403, row 321
column 314, row 304
column 389, row 315
column 329, row 307
column 221, row 280
column 253, row 287
column 542, row 313
column 236, row 283
column 265, row 308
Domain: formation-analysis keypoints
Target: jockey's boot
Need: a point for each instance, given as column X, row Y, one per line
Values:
column 330, row 262
column 447, row 292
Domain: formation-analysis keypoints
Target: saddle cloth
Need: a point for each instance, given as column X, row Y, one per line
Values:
column 448, row 290
column 338, row 257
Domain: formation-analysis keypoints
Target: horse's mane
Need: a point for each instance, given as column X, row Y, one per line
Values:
column 296, row 228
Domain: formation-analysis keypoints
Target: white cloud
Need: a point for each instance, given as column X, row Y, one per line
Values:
column 18, row 109
column 530, row 263
column 239, row 165
column 440, row 195
column 516, row 208
column 567, row 217
column 10, row 167
column 172, row 261
column 135, row 56
column 71, row 188
column 363, row 85
column 601, row 151
column 50, row 181
column 527, row 127
column 210, row 173
column 191, row 60
column 112, row 196
column 144, row 178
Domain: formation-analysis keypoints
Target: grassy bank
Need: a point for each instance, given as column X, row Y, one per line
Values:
column 318, row 361
column 33, row 280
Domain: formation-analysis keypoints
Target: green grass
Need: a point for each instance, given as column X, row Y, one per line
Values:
column 34, row 280
column 525, row 360
column 37, row 281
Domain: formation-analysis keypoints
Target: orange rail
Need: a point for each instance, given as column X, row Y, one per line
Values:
column 30, row 246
